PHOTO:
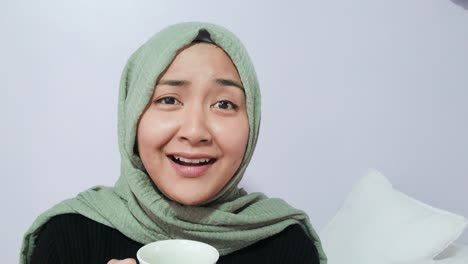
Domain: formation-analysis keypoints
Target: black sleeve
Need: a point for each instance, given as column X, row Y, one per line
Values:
column 292, row 245
column 75, row 239
column 45, row 250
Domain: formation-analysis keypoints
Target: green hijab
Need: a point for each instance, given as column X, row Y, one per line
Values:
column 231, row 220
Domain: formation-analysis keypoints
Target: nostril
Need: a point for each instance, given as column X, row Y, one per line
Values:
column 196, row 139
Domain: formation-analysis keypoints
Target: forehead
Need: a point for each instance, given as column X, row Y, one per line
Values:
column 203, row 57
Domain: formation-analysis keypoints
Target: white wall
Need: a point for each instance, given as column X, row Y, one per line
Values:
column 346, row 86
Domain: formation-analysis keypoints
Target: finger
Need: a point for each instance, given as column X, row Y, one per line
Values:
column 124, row 261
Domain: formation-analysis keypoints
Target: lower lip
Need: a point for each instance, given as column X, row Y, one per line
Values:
column 190, row 171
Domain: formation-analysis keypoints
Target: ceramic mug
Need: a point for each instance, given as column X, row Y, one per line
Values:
column 177, row 251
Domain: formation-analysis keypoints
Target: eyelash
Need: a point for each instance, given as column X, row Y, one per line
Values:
column 163, row 100
column 231, row 106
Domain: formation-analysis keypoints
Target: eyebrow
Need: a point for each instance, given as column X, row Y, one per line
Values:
column 228, row 82
column 221, row 81
column 172, row 82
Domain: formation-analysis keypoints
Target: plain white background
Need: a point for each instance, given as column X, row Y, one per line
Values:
column 346, row 86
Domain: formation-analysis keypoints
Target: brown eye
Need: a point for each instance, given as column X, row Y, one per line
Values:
column 225, row 105
column 167, row 100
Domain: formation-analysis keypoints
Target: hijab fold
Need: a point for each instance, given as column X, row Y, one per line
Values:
column 229, row 221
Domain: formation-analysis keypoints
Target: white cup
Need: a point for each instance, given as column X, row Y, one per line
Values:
column 177, row 251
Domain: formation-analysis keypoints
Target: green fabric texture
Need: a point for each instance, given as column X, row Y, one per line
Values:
column 231, row 220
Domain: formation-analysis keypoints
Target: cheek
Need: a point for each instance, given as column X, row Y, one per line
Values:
column 154, row 130
column 232, row 137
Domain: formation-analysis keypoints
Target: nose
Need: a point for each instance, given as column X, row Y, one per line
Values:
column 194, row 127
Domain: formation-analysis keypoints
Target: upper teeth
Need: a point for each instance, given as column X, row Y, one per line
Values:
column 191, row 160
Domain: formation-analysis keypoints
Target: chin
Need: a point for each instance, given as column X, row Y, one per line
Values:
column 188, row 200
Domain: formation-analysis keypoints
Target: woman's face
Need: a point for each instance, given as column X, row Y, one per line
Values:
column 193, row 135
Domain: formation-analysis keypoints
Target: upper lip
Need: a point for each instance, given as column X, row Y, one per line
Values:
column 192, row 155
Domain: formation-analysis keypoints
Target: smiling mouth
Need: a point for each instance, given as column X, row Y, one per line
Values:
column 191, row 162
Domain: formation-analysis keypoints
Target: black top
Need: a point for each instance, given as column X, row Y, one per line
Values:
column 73, row 238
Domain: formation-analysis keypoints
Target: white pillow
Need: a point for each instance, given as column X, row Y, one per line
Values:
column 378, row 224
column 454, row 254
column 456, row 250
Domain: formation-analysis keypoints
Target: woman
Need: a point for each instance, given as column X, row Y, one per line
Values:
column 189, row 116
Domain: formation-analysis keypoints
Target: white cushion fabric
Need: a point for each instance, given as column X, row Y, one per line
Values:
column 443, row 261
column 456, row 250
column 455, row 254
column 378, row 224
